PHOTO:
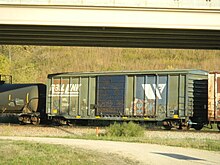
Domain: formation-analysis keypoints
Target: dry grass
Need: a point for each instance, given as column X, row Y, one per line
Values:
column 33, row 63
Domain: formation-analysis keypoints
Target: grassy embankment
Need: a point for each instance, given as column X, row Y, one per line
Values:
column 32, row 153
column 22, row 152
column 33, row 63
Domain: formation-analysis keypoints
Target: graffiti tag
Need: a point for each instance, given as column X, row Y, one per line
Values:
column 153, row 91
column 65, row 89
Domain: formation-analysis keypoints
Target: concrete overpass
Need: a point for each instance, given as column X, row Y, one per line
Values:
column 110, row 26
column 195, row 4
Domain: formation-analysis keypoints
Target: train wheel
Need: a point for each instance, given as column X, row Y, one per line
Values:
column 187, row 125
column 59, row 121
column 21, row 123
column 70, row 123
column 62, row 122
column 35, row 120
column 22, row 120
column 167, row 125
column 218, row 125
column 198, row 126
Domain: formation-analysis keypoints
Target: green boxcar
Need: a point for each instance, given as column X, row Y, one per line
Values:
column 175, row 98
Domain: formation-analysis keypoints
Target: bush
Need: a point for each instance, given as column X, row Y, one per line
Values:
column 126, row 129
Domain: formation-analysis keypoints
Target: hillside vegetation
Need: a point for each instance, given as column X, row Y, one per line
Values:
column 33, row 63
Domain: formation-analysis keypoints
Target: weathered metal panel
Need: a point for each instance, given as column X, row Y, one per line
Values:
column 84, row 96
column 166, row 95
column 162, row 98
column 110, row 95
column 214, row 97
column 92, row 96
column 139, row 100
column 129, row 96
column 157, row 95
column 150, row 98
column 71, row 96
column 173, row 95
column 64, row 96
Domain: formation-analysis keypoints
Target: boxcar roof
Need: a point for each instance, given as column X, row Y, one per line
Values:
column 214, row 72
column 183, row 71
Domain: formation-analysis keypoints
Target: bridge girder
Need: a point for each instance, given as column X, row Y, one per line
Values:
column 74, row 31
column 109, row 37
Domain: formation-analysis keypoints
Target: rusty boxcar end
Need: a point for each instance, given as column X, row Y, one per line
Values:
column 214, row 98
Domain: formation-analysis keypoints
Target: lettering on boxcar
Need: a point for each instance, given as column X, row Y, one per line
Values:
column 152, row 91
column 65, row 89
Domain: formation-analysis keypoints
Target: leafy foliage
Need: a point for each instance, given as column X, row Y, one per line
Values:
column 126, row 129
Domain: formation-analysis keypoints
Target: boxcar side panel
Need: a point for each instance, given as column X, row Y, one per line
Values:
column 129, row 96
column 156, row 96
column 172, row 108
column 145, row 95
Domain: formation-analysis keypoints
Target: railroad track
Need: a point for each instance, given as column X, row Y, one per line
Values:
column 88, row 131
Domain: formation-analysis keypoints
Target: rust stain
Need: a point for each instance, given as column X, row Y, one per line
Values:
column 214, row 97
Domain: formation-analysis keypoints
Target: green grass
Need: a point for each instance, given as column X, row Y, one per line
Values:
column 22, row 153
column 203, row 144
column 208, row 128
